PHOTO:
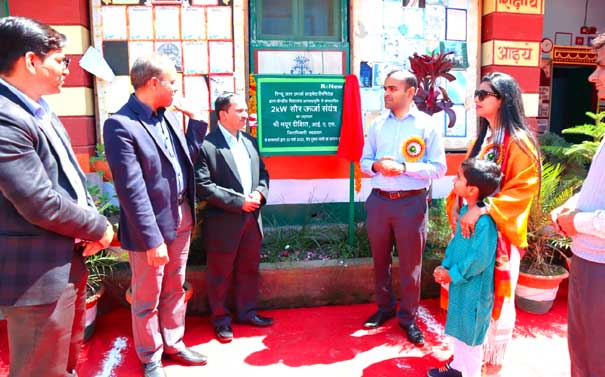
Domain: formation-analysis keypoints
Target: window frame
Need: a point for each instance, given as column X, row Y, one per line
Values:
column 4, row 8
column 339, row 23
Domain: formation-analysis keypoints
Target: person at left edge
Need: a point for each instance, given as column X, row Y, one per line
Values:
column 44, row 208
column 149, row 159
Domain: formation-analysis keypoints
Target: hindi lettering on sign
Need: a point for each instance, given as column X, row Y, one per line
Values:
column 516, row 53
column 504, row 53
column 525, row 53
column 299, row 114
column 529, row 6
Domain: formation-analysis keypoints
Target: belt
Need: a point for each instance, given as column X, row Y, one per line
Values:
column 181, row 198
column 398, row 194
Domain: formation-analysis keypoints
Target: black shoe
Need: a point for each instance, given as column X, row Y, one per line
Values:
column 414, row 334
column 153, row 369
column 187, row 356
column 444, row 371
column 258, row 321
column 378, row 319
column 224, row 333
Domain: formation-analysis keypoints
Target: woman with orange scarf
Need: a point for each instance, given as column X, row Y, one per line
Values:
column 503, row 136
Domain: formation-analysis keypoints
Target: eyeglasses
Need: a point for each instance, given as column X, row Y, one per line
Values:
column 482, row 93
column 66, row 62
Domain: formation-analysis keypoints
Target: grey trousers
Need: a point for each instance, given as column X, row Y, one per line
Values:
column 585, row 318
column 399, row 222
column 45, row 340
column 158, row 300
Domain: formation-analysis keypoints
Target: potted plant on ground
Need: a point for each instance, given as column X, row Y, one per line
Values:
column 539, row 276
column 100, row 264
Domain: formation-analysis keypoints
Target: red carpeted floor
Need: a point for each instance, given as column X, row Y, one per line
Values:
column 323, row 341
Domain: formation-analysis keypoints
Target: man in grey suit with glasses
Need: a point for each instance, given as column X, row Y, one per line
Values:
column 47, row 219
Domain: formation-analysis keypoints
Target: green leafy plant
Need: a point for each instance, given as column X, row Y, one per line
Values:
column 544, row 243
column 575, row 158
column 554, row 148
column 101, row 264
column 585, row 151
column 313, row 242
column 439, row 230
column 99, row 154
column 330, row 240
column 430, row 97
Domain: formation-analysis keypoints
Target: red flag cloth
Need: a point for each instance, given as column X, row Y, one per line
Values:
column 350, row 145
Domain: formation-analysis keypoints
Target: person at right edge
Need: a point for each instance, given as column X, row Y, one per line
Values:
column 583, row 219
column 503, row 136
column 402, row 153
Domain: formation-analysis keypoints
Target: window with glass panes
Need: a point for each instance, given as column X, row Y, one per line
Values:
column 299, row 20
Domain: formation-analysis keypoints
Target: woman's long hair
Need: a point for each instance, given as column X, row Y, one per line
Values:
column 511, row 116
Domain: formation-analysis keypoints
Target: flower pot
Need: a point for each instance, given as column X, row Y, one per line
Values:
column 186, row 287
column 103, row 166
column 91, row 312
column 115, row 242
column 535, row 293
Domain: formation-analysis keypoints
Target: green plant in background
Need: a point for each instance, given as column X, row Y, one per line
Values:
column 101, row 264
column 585, row 151
column 439, row 230
column 314, row 242
column 104, row 203
column 574, row 158
column 544, row 244
column 99, row 154
column 322, row 242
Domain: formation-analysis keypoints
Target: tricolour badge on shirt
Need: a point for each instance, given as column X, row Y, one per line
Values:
column 492, row 152
column 413, row 149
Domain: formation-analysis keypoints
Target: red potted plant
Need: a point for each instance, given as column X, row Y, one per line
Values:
column 431, row 98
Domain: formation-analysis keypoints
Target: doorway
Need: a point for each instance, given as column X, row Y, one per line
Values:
column 572, row 97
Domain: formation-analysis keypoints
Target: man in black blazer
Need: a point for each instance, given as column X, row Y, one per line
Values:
column 153, row 175
column 231, row 177
column 47, row 219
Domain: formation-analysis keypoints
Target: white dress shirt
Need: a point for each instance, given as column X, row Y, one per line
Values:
column 241, row 157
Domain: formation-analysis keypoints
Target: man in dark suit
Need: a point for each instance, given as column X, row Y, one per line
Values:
column 231, row 177
column 153, row 174
column 44, row 208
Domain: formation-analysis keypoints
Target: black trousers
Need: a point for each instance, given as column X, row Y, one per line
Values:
column 235, row 270
column 401, row 223
column 45, row 340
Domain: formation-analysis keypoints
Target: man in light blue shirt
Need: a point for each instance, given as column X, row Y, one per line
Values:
column 403, row 153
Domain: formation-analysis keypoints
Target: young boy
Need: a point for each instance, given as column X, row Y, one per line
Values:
column 469, row 268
